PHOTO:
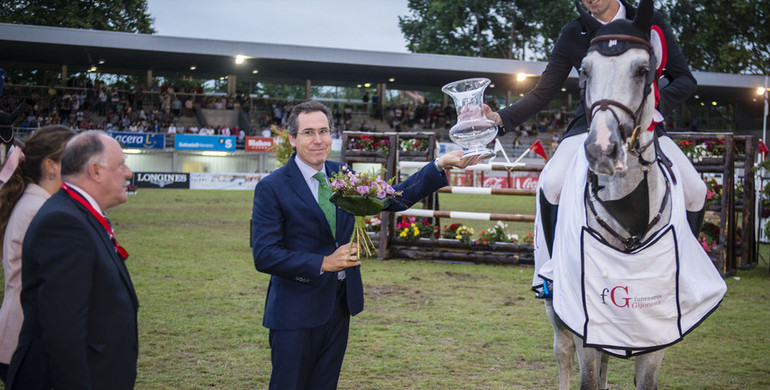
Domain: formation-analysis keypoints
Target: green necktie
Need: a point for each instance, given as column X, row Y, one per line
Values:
column 324, row 193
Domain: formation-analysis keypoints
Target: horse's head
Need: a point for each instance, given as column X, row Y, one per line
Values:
column 616, row 78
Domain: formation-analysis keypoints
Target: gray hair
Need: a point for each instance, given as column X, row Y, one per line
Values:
column 81, row 151
column 306, row 107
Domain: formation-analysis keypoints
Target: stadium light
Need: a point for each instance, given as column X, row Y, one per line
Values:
column 239, row 59
column 521, row 77
column 131, row 151
column 214, row 154
column 193, row 67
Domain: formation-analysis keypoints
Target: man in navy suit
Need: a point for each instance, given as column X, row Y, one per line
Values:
column 316, row 280
column 80, row 328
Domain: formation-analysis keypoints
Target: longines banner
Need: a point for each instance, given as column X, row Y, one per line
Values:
column 140, row 140
column 161, row 180
column 204, row 142
column 258, row 144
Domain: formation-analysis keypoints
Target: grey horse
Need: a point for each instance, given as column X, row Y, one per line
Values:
column 627, row 196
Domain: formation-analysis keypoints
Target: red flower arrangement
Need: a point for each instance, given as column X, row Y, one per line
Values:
column 368, row 143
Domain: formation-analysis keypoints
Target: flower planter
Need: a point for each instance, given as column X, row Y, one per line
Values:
column 413, row 153
column 365, row 153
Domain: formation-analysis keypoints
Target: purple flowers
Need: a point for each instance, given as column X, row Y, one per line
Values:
column 363, row 190
column 361, row 184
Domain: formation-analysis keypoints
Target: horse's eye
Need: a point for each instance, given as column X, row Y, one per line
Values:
column 584, row 72
column 642, row 71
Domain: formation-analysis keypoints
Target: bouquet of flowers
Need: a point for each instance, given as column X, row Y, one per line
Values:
column 361, row 194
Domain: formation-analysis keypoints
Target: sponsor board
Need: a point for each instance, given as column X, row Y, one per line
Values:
column 259, row 144
column 225, row 181
column 161, row 180
column 496, row 179
column 526, row 182
column 140, row 140
column 204, row 142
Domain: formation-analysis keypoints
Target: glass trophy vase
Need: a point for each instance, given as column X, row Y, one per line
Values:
column 473, row 130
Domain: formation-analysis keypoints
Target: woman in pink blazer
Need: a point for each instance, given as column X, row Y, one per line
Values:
column 31, row 174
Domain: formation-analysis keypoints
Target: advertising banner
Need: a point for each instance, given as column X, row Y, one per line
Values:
column 140, row 140
column 204, row 142
column 161, row 180
column 225, row 181
column 259, row 144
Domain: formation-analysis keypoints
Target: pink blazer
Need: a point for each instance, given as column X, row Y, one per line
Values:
column 11, row 315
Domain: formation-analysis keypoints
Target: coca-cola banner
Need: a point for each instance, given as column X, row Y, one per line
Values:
column 494, row 179
column 161, row 180
column 258, row 144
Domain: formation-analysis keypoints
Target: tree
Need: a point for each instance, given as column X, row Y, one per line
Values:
column 110, row 15
column 485, row 28
column 731, row 36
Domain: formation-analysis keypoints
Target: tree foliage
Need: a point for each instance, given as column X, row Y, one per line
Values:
column 110, row 15
column 731, row 36
column 513, row 29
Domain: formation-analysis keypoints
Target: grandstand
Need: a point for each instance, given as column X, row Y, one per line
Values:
column 79, row 57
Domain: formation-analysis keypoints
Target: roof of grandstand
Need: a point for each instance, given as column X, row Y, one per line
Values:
column 38, row 47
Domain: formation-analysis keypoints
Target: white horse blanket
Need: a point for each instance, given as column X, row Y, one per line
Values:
column 628, row 303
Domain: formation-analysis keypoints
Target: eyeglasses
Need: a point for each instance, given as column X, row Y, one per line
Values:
column 324, row 132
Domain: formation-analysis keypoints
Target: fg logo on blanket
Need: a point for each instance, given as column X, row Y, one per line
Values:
column 619, row 296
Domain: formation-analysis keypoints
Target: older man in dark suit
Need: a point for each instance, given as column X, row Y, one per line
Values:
column 80, row 308
column 316, row 281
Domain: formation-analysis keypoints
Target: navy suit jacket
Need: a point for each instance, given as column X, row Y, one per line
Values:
column 290, row 237
column 80, row 308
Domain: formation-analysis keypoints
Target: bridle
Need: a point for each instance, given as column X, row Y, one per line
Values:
column 606, row 104
column 591, row 193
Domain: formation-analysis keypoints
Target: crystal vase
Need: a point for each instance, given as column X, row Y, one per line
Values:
column 473, row 130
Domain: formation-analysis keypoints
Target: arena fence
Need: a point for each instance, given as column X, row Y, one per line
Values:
column 734, row 213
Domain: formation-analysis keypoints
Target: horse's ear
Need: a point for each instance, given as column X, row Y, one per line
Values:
column 657, row 40
column 643, row 18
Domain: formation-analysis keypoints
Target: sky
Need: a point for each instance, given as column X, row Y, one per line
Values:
column 346, row 24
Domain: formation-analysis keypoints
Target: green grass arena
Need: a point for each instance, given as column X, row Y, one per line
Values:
column 426, row 325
